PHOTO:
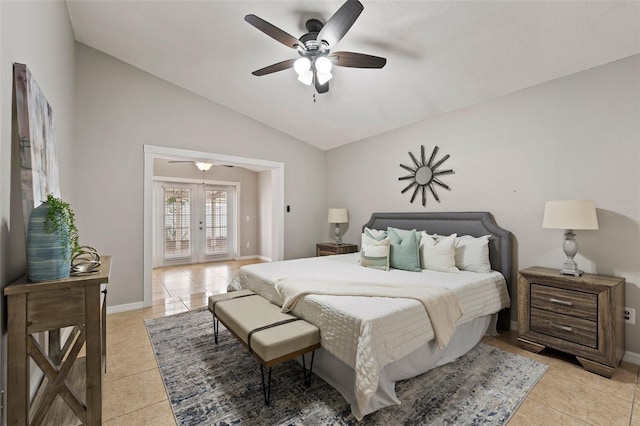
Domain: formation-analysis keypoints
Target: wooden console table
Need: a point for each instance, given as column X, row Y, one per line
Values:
column 78, row 302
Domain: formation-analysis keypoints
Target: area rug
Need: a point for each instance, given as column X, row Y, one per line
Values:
column 211, row 384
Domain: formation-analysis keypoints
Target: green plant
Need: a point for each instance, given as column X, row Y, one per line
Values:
column 60, row 214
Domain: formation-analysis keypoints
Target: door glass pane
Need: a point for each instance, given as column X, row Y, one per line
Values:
column 177, row 222
column 216, row 221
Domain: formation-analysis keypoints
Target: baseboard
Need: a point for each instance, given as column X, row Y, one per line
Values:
column 124, row 308
column 631, row 357
column 254, row 256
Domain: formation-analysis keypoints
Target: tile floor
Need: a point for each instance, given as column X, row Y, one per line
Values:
column 134, row 393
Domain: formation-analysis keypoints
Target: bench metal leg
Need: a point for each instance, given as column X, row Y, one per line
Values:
column 216, row 327
column 307, row 377
column 266, row 389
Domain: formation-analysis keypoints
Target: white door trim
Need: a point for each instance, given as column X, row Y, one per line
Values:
column 277, row 183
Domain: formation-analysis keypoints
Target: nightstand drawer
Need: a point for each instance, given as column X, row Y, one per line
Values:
column 565, row 327
column 569, row 302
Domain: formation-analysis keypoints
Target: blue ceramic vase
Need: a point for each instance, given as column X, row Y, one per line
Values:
column 48, row 255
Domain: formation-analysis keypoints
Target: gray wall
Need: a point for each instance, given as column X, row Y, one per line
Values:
column 248, row 231
column 577, row 137
column 119, row 110
column 39, row 35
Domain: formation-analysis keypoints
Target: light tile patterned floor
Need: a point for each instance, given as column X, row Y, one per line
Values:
column 134, row 393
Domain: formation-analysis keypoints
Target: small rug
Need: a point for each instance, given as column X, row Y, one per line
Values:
column 211, row 384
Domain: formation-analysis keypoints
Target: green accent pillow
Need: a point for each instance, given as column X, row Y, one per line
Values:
column 404, row 254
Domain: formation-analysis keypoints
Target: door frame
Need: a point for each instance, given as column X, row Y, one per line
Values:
column 277, row 192
column 234, row 250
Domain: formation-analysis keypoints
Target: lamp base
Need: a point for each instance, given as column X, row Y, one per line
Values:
column 338, row 239
column 570, row 247
column 574, row 272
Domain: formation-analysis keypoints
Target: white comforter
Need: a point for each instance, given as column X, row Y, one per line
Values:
column 368, row 333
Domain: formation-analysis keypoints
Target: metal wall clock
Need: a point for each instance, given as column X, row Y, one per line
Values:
column 424, row 174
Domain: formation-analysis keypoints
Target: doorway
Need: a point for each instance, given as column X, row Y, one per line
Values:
column 273, row 186
column 195, row 223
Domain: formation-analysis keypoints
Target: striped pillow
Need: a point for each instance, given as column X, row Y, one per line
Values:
column 375, row 253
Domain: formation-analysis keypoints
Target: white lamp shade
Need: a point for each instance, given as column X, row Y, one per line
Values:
column 570, row 214
column 338, row 216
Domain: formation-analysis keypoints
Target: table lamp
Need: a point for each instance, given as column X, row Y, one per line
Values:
column 338, row 216
column 570, row 215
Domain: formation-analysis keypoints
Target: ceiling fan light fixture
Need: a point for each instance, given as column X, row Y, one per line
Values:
column 302, row 66
column 201, row 165
column 306, row 78
column 323, row 77
column 323, row 65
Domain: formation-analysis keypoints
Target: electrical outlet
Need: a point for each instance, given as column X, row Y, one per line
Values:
column 629, row 315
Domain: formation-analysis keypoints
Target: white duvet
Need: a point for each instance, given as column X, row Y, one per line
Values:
column 368, row 333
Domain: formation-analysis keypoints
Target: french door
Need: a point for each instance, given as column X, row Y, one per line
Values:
column 195, row 223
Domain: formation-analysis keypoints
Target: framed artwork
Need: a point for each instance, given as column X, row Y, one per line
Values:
column 37, row 144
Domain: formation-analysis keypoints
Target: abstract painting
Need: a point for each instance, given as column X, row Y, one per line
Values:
column 38, row 161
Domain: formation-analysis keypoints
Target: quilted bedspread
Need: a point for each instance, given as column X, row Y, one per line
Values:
column 368, row 333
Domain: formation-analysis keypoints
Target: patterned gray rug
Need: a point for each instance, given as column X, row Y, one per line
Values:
column 211, row 384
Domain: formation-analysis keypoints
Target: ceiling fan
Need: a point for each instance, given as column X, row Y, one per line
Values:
column 316, row 59
column 201, row 165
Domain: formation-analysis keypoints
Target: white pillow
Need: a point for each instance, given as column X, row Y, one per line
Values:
column 375, row 253
column 438, row 254
column 472, row 254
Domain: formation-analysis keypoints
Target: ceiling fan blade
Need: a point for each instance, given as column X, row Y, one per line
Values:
column 180, row 161
column 357, row 60
column 274, row 68
column 274, row 32
column 338, row 25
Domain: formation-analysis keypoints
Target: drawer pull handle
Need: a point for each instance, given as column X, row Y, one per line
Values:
column 561, row 327
column 562, row 302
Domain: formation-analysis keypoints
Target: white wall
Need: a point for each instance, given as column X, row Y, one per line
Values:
column 248, row 231
column 577, row 137
column 39, row 35
column 265, row 203
column 121, row 108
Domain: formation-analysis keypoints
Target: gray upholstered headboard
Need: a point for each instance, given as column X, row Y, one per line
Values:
column 475, row 224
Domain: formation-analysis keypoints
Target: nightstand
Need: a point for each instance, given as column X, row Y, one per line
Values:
column 582, row 316
column 327, row 249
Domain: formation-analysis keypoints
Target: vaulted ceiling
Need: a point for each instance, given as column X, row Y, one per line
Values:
column 441, row 55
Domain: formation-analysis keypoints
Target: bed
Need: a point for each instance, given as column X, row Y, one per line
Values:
column 369, row 343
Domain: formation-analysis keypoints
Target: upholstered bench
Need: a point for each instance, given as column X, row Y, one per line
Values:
column 271, row 336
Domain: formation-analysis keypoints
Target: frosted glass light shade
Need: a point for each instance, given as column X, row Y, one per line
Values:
column 570, row 214
column 306, row 78
column 323, row 65
column 338, row 216
column 302, row 65
column 201, row 165
column 324, row 77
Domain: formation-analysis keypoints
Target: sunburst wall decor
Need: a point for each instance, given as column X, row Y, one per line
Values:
column 424, row 174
